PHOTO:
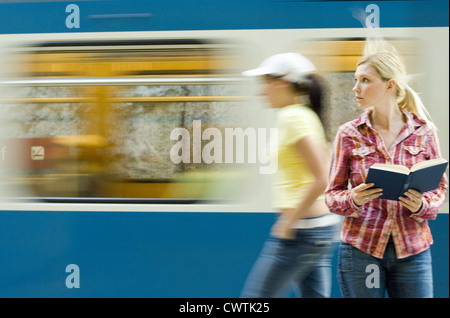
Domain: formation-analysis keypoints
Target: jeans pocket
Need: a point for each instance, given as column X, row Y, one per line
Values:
column 324, row 244
column 345, row 257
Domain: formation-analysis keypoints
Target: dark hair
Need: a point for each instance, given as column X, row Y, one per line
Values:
column 315, row 88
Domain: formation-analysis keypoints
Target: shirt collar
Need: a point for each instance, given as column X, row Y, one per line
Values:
column 412, row 121
column 364, row 119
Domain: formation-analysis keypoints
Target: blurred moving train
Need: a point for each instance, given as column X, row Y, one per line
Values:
column 99, row 100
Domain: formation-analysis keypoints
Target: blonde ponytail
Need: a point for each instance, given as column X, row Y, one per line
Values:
column 413, row 104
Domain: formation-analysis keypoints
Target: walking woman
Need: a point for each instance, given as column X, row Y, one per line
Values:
column 299, row 248
column 387, row 238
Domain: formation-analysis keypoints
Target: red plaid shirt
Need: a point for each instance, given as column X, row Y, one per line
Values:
column 357, row 146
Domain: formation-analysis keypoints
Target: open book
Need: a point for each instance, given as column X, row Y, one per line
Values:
column 396, row 179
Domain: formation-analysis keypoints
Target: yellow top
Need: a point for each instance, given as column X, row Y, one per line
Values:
column 293, row 175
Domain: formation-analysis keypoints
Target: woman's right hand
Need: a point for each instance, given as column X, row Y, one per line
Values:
column 364, row 193
column 281, row 229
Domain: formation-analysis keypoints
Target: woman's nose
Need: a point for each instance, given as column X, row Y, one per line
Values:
column 263, row 91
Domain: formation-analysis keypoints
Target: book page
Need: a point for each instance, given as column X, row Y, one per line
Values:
column 390, row 167
column 428, row 163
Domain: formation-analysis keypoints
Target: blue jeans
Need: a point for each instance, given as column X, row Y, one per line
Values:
column 361, row 275
column 304, row 261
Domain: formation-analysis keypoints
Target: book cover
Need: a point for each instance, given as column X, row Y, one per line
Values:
column 396, row 179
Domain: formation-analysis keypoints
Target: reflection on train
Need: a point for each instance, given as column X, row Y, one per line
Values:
column 93, row 119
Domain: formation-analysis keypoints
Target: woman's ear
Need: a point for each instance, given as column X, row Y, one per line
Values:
column 391, row 85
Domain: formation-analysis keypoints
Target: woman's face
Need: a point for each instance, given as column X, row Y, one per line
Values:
column 276, row 91
column 370, row 89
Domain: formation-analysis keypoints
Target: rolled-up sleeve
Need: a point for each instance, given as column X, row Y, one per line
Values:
column 337, row 194
column 435, row 199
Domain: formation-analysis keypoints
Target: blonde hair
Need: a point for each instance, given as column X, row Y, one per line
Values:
column 388, row 63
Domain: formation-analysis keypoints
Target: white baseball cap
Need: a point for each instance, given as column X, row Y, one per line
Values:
column 291, row 67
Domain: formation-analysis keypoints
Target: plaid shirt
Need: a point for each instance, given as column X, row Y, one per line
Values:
column 357, row 146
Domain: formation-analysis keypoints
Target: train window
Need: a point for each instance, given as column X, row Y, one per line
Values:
column 92, row 121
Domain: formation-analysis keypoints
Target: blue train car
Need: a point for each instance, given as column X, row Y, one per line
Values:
column 93, row 200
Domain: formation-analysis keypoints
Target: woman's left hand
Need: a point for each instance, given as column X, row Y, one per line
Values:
column 413, row 202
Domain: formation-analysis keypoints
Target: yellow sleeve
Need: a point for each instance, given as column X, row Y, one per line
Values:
column 299, row 123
